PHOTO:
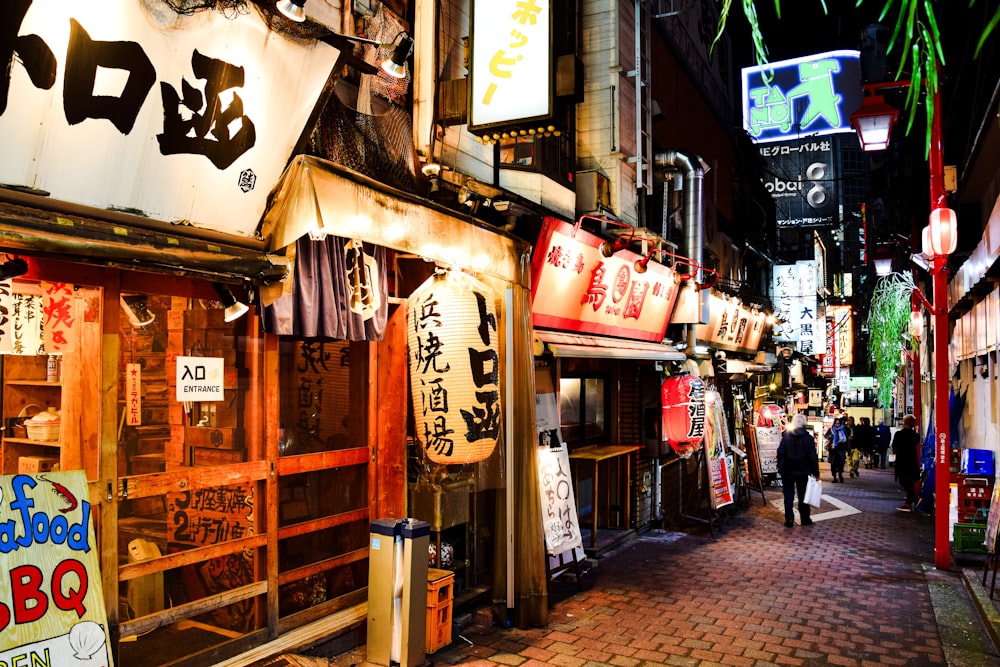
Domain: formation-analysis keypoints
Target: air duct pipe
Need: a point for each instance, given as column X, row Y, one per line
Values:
column 693, row 170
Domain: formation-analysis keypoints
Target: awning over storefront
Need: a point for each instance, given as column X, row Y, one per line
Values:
column 591, row 347
column 39, row 225
column 321, row 198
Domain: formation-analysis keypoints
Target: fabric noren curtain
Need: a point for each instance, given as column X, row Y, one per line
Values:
column 339, row 291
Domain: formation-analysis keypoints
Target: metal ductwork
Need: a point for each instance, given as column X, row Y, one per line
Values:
column 692, row 170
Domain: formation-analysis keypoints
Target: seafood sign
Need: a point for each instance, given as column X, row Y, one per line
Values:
column 51, row 602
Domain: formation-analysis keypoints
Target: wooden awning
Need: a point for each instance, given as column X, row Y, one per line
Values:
column 320, row 198
column 33, row 224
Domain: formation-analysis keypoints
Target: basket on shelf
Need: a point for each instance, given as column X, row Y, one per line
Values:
column 43, row 426
column 16, row 424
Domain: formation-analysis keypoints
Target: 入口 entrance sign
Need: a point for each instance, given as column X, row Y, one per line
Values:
column 51, row 602
column 200, row 378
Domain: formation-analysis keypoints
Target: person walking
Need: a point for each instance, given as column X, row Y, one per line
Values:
column 883, row 437
column 906, row 447
column 797, row 460
column 864, row 441
column 836, row 446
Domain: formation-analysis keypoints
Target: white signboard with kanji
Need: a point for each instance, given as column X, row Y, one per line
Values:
column 134, row 106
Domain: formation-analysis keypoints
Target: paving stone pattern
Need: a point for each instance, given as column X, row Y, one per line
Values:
column 849, row 590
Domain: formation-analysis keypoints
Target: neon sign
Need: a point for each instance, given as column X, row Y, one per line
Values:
column 809, row 96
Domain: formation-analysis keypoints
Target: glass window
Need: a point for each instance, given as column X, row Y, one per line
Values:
column 582, row 409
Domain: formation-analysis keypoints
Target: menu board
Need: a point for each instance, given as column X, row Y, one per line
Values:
column 768, row 439
column 559, row 516
column 51, row 601
column 993, row 521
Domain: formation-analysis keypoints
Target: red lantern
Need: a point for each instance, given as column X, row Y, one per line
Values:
column 683, row 403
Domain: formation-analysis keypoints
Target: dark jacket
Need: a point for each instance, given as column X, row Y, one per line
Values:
column 882, row 437
column 864, row 438
column 906, row 447
column 797, row 454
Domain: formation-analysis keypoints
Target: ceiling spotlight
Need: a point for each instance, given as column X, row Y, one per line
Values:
column 293, row 9
column 234, row 309
column 137, row 309
column 396, row 65
column 13, row 268
column 432, row 171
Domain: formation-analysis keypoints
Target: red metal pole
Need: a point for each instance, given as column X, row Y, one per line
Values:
column 917, row 398
column 942, row 417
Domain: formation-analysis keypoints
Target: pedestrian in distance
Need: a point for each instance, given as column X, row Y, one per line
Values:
column 906, row 447
column 836, row 447
column 883, row 438
column 864, row 441
column 797, row 460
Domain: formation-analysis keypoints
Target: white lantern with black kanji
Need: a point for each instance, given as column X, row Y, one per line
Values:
column 453, row 350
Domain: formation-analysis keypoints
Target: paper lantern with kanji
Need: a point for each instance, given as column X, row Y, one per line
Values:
column 683, row 403
column 453, row 348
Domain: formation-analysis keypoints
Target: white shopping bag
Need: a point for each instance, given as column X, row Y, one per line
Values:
column 814, row 492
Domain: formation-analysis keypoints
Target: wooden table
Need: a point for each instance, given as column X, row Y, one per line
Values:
column 595, row 456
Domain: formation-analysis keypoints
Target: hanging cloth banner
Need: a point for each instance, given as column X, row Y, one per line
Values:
column 338, row 292
column 716, row 450
column 454, row 368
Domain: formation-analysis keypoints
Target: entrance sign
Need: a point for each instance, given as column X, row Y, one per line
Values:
column 200, row 378
column 51, row 601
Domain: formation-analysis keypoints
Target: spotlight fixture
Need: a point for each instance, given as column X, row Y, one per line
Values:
column 234, row 309
column 137, row 309
column 293, row 9
column 13, row 268
column 432, row 171
column 396, row 65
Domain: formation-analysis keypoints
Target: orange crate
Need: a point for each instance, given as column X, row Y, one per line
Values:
column 440, row 586
column 438, row 626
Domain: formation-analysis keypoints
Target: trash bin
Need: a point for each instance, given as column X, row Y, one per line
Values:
column 397, row 591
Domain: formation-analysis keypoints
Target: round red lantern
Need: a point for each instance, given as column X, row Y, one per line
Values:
column 682, row 398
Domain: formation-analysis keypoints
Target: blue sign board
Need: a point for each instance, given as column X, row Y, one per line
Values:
column 809, row 96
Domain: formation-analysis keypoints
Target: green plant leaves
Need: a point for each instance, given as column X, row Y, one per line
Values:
column 888, row 320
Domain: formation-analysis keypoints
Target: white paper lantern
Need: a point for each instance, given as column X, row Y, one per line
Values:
column 944, row 231
column 453, row 346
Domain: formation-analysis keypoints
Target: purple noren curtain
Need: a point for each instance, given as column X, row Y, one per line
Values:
column 338, row 291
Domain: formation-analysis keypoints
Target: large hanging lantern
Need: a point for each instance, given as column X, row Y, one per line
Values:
column 683, row 402
column 454, row 368
column 943, row 231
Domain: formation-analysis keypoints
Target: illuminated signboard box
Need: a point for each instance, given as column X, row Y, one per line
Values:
column 810, row 96
column 510, row 72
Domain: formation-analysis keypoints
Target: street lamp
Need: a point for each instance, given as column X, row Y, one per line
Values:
column 873, row 122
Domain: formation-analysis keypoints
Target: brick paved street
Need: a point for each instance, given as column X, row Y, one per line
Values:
column 850, row 590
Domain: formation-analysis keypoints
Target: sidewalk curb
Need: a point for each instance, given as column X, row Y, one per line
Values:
column 988, row 613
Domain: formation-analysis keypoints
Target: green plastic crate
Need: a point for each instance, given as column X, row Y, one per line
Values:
column 970, row 537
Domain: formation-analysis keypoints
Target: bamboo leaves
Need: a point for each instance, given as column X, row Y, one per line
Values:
column 887, row 321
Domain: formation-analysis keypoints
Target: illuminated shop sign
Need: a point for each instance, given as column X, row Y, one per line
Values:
column 731, row 325
column 843, row 330
column 576, row 288
column 510, row 72
column 802, row 180
column 133, row 106
column 809, row 96
column 794, row 290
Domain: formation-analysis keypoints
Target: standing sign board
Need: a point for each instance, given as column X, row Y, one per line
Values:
column 559, row 516
column 51, row 601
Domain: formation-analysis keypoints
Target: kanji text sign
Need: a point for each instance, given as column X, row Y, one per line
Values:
column 200, row 378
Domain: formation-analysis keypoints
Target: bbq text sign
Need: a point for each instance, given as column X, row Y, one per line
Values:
column 51, row 603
